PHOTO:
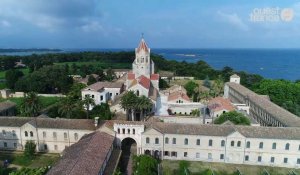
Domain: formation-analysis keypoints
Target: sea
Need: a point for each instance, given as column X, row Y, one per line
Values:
column 270, row 63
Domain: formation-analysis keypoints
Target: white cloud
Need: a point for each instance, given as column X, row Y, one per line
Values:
column 93, row 26
column 5, row 23
column 234, row 20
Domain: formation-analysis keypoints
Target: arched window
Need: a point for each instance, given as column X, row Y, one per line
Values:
column 31, row 134
column 128, row 131
column 156, row 141
column 26, row 134
column 166, row 140
column 123, row 131
column 274, row 146
column 174, row 141
column 65, row 135
column 118, row 130
column 133, row 131
column 287, row 146
column 261, row 145
column 232, row 143
column 147, row 140
column 76, row 136
column 222, row 143
column 186, row 141
column 239, row 144
column 138, row 93
column 248, row 144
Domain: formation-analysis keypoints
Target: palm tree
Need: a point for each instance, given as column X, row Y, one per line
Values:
column 128, row 102
column 143, row 104
column 217, row 86
column 30, row 105
column 87, row 102
column 67, row 107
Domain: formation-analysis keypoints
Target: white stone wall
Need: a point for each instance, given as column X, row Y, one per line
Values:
column 141, row 89
column 184, row 108
column 113, row 92
column 99, row 97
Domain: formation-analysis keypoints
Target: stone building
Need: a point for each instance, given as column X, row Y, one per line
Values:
column 7, row 108
column 261, row 108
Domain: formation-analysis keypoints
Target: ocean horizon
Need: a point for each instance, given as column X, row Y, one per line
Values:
column 270, row 63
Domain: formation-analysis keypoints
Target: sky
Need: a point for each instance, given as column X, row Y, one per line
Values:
column 165, row 23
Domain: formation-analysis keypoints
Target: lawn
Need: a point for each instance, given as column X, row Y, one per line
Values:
column 45, row 101
column 104, row 65
column 24, row 70
column 170, row 167
column 39, row 160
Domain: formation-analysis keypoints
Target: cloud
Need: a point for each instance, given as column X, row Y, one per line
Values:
column 5, row 23
column 234, row 20
column 93, row 26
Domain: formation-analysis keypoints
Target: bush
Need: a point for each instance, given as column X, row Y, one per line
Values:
column 234, row 117
column 30, row 147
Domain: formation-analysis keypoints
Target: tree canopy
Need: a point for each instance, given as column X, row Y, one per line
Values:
column 233, row 116
column 144, row 165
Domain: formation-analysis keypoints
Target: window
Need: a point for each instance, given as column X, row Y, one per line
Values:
column 65, row 135
column 138, row 93
column 5, row 144
column 101, row 97
column 174, row 141
column 4, row 132
column 156, row 141
column 55, row 147
column 222, row 143
column 117, row 93
column 15, row 145
column 54, row 135
column 239, row 144
column 232, row 143
column 185, row 154
column 209, row 156
column 93, row 96
column 128, row 131
column 110, row 94
column 147, row 140
column 26, row 134
column 299, row 148
column 186, row 141
column 166, row 140
column 118, row 130
column 210, row 142
column 261, row 145
column 246, row 158
column 272, row 159
column 45, row 147
column 198, row 142
column 123, row 131
column 76, row 136
column 298, row 161
column 285, row 160
column 274, row 146
column 14, row 133
column 31, row 134
column 44, row 134
column 287, row 146
column 197, row 155
column 173, row 154
column 133, row 131
column 221, row 156
column 259, row 158
column 166, row 153
column 248, row 144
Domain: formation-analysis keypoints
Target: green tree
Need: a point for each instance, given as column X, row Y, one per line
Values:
column 190, row 88
column 88, row 102
column 144, row 105
column 110, row 75
column 12, row 76
column 30, row 148
column 144, row 165
column 67, row 107
column 183, row 167
column 91, row 80
column 30, row 105
column 163, row 84
column 233, row 116
column 207, row 82
column 128, row 102
column 75, row 91
column 102, row 111
column 217, row 87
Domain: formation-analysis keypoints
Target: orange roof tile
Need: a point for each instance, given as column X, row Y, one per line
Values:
column 130, row 76
column 154, row 77
column 142, row 46
column 220, row 103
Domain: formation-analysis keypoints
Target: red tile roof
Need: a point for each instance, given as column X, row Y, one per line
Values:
column 220, row 103
column 144, row 81
column 178, row 95
column 142, row 46
column 154, row 77
column 86, row 156
column 130, row 76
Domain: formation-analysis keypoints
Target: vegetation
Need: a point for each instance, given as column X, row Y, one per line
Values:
column 29, row 171
column 102, row 111
column 88, row 102
column 144, row 165
column 133, row 103
column 12, row 76
column 29, row 151
column 31, row 105
column 233, row 116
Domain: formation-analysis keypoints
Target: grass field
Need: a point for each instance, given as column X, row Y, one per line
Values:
column 24, row 70
column 100, row 64
column 40, row 160
column 197, row 168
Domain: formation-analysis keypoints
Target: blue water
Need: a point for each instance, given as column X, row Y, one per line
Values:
column 270, row 63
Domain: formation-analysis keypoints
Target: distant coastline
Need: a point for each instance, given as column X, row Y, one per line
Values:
column 30, row 50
